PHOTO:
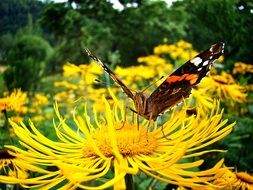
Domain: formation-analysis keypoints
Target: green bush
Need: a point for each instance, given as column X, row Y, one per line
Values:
column 27, row 61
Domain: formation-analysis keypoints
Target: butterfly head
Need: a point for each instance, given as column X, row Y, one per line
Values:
column 140, row 101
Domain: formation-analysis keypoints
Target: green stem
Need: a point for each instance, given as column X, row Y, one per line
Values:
column 3, row 186
column 7, row 125
column 129, row 182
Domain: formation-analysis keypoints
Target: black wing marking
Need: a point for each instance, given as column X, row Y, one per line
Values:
column 179, row 84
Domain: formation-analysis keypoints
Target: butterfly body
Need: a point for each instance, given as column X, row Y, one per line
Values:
column 142, row 106
column 174, row 88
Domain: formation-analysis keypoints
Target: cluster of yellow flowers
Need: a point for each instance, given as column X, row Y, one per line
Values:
column 18, row 103
column 102, row 145
column 78, row 86
column 223, row 87
column 180, row 50
column 15, row 101
column 242, row 68
column 39, row 103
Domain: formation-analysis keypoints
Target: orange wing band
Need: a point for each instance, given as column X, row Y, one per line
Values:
column 190, row 77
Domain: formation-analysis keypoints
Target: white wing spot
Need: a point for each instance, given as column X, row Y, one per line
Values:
column 196, row 61
column 223, row 45
column 205, row 63
column 199, row 69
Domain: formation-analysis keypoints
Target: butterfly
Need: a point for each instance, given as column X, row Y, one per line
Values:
column 176, row 87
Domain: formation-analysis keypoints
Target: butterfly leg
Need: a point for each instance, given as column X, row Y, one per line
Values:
column 133, row 110
column 124, row 122
column 137, row 115
column 164, row 133
column 149, row 124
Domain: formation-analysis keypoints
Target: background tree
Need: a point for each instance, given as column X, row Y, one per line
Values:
column 27, row 59
column 13, row 14
column 221, row 20
column 132, row 32
column 137, row 30
column 73, row 31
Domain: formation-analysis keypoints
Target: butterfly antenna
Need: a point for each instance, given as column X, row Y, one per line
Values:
column 106, row 85
column 152, row 84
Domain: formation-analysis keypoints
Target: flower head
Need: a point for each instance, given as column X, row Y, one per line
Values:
column 14, row 102
column 224, row 87
column 235, row 180
column 103, row 149
column 11, row 166
column 242, row 68
column 180, row 50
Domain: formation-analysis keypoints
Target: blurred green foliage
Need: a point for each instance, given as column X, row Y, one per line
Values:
column 14, row 13
column 221, row 20
column 27, row 61
column 132, row 31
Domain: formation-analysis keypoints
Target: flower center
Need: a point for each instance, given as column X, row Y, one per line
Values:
column 130, row 141
column 4, row 154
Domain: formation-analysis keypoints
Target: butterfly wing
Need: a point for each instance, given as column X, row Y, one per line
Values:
column 111, row 74
column 179, row 84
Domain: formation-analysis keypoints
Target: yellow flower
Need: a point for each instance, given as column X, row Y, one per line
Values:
column 71, row 70
column 88, row 73
column 17, row 118
column 183, row 44
column 65, row 84
column 11, row 166
column 101, row 150
column 234, row 180
column 242, row 68
column 180, row 50
column 38, row 118
column 249, row 87
column 187, row 55
column 221, row 59
column 14, row 102
column 135, row 73
column 164, row 48
column 158, row 65
column 244, row 181
column 95, row 68
column 40, row 100
column 38, row 109
column 201, row 99
column 152, row 60
column 224, row 87
column 64, row 95
column 136, row 77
